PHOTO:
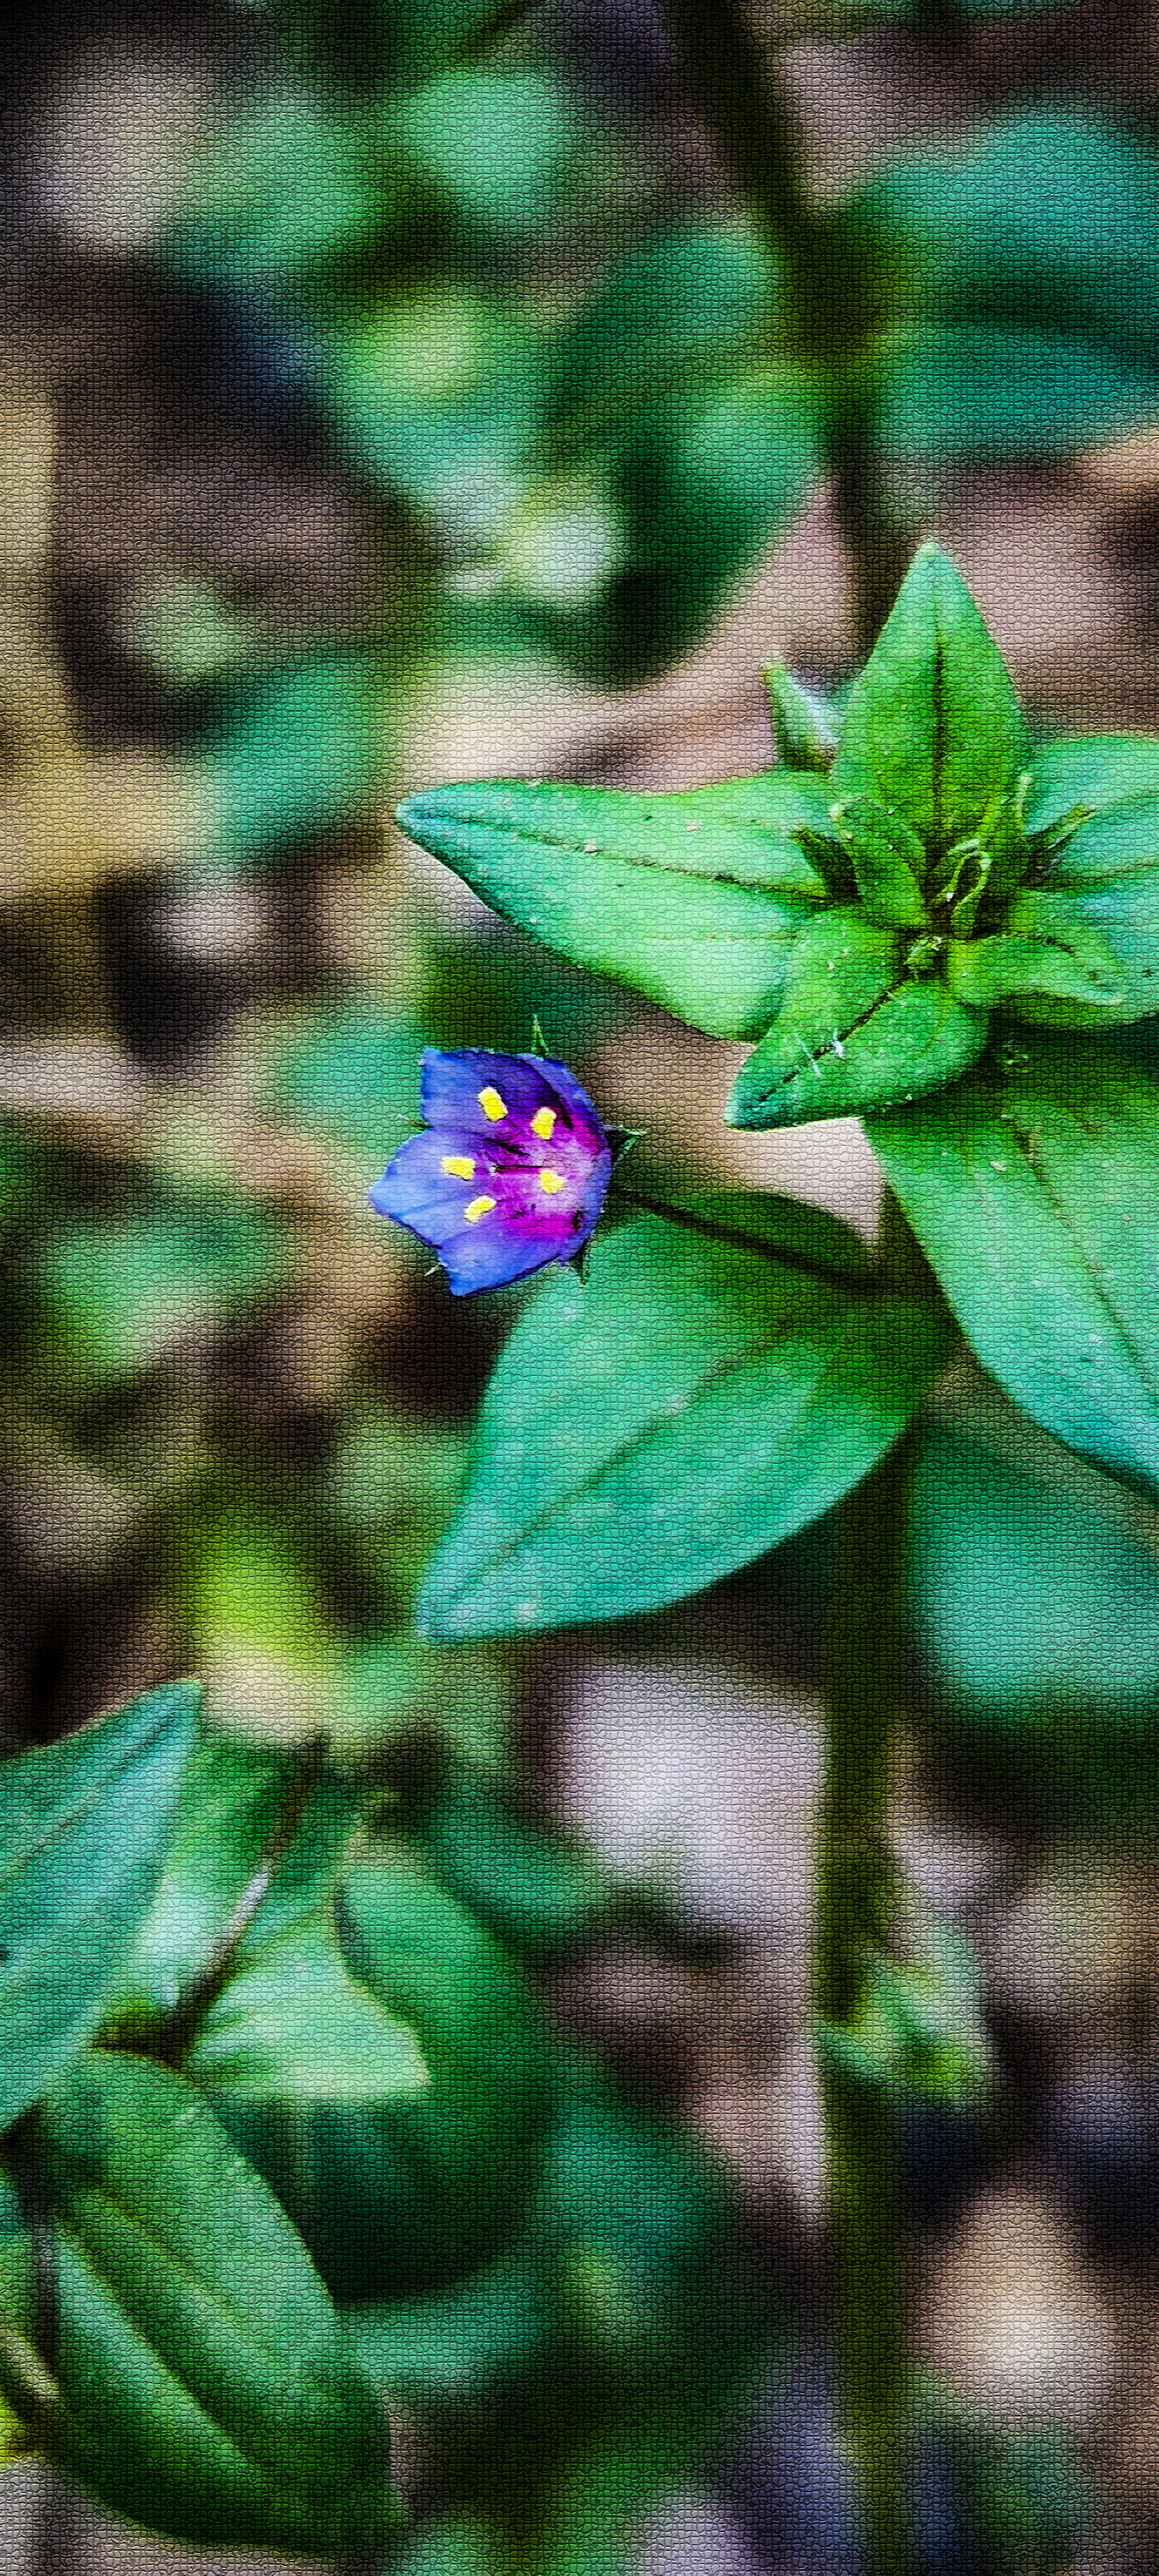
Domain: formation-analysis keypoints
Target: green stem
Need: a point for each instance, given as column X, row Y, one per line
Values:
column 856, row 1892
column 838, row 288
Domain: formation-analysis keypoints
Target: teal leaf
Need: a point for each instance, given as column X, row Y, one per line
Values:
column 207, row 2388
column 855, row 1031
column 694, row 1404
column 83, row 1829
column 932, row 730
column 694, row 900
column 1033, row 1189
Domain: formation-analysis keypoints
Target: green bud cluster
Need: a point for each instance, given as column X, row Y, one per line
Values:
column 959, row 874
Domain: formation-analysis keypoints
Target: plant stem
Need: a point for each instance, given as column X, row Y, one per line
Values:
column 856, row 1890
column 855, row 1893
column 839, row 284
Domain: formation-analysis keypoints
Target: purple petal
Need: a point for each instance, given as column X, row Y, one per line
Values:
column 452, row 1081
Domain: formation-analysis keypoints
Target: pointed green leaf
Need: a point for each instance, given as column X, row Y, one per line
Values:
column 292, row 2023
column 1033, row 1188
column 208, row 2389
column 887, row 860
column 933, row 728
column 83, row 1829
column 231, row 1797
column 855, row 1031
column 694, row 1404
column 1102, row 881
column 694, row 900
column 1047, row 952
column 802, row 730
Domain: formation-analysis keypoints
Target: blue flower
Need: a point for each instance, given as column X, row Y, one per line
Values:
column 509, row 1173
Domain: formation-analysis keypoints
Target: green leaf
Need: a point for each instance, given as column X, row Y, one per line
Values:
column 693, row 1405
column 506, row 148
column 291, row 2023
column 438, row 396
column 423, row 1955
column 83, row 1829
column 1103, row 881
column 855, row 1031
column 694, row 900
column 456, row 2345
column 1047, row 952
column 227, row 1812
column 1029, row 1600
column 932, row 730
column 1088, row 772
column 399, row 2198
column 522, row 1880
column 283, row 188
column 804, row 733
column 207, row 2388
column 388, row 44
column 1033, row 1188
column 887, row 861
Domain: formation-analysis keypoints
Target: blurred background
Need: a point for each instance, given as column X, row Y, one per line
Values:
column 414, row 395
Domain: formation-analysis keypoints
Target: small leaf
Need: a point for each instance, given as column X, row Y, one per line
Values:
column 693, row 1405
column 804, row 734
column 83, row 1829
column 694, row 899
column 1033, row 1189
column 1048, row 951
column 933, row 729
column 226, row 1815
column 854, row 1031
column 887, row 860
column 207, row 2388
column 1103, row 882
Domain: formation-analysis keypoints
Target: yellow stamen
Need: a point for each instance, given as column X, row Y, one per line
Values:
column 542, row 1124
column 476, row 1208
column 551, row 1181
column 491, row 1102
column 460, row 1166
